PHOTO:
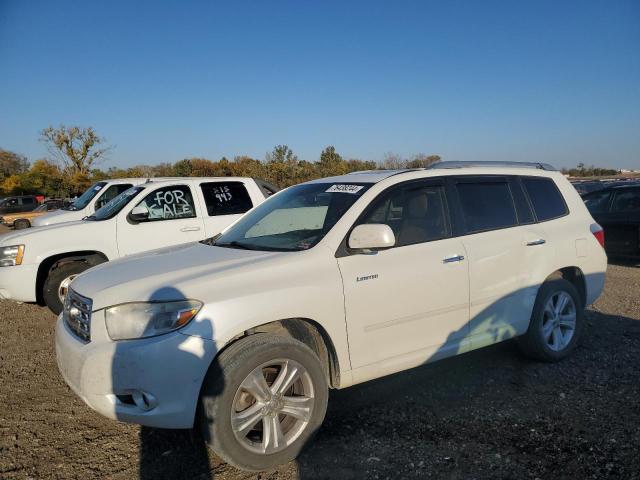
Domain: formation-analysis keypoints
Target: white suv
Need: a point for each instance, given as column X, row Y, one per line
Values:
column 92, row 200
column 37, row 264
column 328, row 284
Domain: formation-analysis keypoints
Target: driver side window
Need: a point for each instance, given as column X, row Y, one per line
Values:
column 416, row 213
column 169, row 203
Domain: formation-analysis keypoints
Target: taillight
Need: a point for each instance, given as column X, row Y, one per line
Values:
column 598, row 232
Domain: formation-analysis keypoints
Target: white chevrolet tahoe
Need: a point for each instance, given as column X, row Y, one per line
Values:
column 328, row 284
column 37, row 264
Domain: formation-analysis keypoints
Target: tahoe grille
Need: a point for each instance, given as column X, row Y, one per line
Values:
column 77, row 314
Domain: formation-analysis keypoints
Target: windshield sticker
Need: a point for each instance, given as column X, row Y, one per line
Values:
column 344, row 189
column 97, row 188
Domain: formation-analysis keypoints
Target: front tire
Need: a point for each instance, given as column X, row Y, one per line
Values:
column 21, row 223
column 262, row 401
column 556, row 323
column 60, row 276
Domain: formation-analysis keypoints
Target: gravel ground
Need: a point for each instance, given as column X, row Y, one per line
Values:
column 485, row 414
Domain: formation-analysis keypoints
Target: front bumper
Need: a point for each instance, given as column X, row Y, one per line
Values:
column 169, row 367
column 18, row 282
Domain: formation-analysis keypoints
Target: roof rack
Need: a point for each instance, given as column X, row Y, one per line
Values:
column 539, row 166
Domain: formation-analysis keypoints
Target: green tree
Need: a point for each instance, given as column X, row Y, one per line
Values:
column 77, row 149
column 281, row 153
column 12, row 163
column 331, row 162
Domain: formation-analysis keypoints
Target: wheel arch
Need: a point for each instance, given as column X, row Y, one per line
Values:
column 91, row 257
column 575, row 276
column 307, row 331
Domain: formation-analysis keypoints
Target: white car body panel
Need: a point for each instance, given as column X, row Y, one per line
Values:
column 416, row 310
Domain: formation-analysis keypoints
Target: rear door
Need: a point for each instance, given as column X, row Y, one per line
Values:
column 173, row 218
column 502, row 242
column 224, row 202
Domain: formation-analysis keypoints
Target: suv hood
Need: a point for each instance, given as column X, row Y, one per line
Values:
column 173, row 273
column 59, row 216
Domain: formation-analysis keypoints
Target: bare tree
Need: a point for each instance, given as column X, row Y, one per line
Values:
column 76, row 149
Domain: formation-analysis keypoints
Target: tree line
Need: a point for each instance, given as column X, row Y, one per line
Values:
column 75, row 153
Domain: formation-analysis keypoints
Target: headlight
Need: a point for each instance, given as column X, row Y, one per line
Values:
column 12, row 255
column 146, row 319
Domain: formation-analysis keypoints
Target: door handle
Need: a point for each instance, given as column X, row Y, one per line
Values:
column 453, row 258
column 189, row 229
column 539, row 241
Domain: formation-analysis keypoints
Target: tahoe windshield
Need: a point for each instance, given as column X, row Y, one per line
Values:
column 112, row 207
column 295, row 219
column 84, row 199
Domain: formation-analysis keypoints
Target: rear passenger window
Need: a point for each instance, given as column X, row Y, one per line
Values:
column 545, row 197
column 626, row 201
column 226, row 198
column 597, row 202
column 486, row 205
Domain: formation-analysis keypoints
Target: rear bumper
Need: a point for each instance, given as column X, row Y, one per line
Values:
column 18, row 283
column 170, row 368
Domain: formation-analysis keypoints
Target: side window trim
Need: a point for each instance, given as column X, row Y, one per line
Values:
column 343, row 249
column 516, row 183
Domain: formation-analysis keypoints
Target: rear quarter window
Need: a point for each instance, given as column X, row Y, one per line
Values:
column 546, row 199
column 226, row 198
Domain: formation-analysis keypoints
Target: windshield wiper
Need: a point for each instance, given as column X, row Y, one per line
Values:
column 235, row 244
column 260, row 248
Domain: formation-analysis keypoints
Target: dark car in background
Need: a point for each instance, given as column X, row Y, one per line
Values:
column 617, row 210
column 23, row 203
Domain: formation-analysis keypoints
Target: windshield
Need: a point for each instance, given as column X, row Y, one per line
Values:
column 84, row 199
column 113, row 206
column 295, row 219
column 41, row 208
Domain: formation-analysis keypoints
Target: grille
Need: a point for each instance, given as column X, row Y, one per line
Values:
column 77, row 314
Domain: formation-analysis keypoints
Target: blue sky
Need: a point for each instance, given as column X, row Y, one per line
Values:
column 494, row 80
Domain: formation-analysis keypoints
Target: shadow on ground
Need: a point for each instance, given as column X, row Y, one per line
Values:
column 486, row 414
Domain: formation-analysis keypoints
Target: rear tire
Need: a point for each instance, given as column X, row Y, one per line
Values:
column 58, row 278
column 258, row 432
column 21, row 224
column 556, row 324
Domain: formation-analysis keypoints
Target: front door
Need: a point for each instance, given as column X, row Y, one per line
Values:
column 411, row 299
column 172, row 220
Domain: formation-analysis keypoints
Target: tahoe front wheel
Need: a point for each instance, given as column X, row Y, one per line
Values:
column 262, row 401
column 60, row 277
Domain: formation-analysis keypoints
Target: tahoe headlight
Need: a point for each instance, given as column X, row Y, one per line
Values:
column 12, row 255
column 148, row 319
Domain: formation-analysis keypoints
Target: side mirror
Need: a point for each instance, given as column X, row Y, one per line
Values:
column 139, row 214
column 374, row 236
